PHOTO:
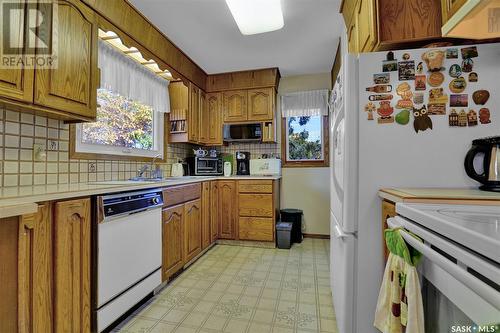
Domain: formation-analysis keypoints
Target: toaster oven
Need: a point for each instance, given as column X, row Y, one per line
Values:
column 205, row 166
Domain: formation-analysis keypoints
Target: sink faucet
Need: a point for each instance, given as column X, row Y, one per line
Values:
column 154, row 173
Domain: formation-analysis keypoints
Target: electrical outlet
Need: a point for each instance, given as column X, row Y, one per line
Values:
column 39, row 152
column 52, row 145
column 92, row 167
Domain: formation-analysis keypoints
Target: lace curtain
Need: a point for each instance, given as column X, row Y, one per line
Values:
column 126, row 77
column 305, row 103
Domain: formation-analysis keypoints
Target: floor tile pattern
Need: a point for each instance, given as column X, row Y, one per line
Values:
column 241, row 289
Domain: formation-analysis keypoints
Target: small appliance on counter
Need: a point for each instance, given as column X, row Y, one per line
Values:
column 265, row 167
column 177, row 169
column 205, row 166
column 243, row 163
column 228, row 169
column 490, row 175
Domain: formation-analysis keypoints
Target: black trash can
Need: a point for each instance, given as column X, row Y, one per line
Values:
column 283, row 235
column 294, row 216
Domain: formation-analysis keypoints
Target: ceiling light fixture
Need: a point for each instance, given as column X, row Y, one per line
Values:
column 256, row 16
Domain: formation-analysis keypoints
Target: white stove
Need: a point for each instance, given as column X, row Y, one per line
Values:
column 474, row 227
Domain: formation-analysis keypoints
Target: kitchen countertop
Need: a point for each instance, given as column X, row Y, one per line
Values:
column 440, row 195
column 21, row 200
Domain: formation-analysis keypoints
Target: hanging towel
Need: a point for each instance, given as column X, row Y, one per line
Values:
column 399, row 307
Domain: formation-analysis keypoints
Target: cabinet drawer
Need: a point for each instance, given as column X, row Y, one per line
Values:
column 249, row 186
column 260, row 205
column 256, row 228
column 178, row 194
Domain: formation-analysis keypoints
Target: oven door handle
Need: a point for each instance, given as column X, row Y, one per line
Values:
column 479, row 287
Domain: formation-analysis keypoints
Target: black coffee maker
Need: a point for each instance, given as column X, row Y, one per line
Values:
column 487, row 149
column 242, row 163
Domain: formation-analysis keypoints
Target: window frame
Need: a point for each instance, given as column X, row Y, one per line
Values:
column 325, row 162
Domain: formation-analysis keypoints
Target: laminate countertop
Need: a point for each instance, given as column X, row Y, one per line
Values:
column 21, row 200
column 440, row 195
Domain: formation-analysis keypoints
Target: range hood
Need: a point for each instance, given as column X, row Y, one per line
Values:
column 243, row 132
column 475, row 19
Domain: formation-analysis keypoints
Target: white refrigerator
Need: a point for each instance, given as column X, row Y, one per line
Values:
column 366, row 155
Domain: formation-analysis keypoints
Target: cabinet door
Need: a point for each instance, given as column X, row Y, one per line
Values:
column 214, row 112
column 193, row 113
column 388, row 211
column 352, row 34
column 214, row 211
column 172, row 240
column 72, row 86
column 35, row 271
column 366, row 27
column 450, row 7
column 228, row 203
column 205, row 215
column 192, row 229
column 234, row 105
column 261, row 104
column 204, row 120
column 17, row 83
column 72, row 266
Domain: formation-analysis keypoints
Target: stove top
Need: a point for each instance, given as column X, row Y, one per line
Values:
column 472, row 226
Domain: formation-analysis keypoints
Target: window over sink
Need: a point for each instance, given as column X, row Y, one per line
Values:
column 131, row 105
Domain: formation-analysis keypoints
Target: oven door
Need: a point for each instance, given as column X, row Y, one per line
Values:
column 459, row 287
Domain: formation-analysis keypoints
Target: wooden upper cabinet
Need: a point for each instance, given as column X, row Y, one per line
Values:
column 193, row 114
column 234, row 105
column 252, row 79
column 450, row 7
column 352, row 35
column 214, row 211
column 214, row 115
column 172, row 241
column 72, row 266
column 203, row 119
column 261, row 104
column 366, row 28
column 228, row 210
column 192, row 229
column 241, row 80
column 72, row 86
column 17, row 83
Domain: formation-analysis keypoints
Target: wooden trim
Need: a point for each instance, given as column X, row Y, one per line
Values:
column 94, row 156
column 306, row 164
column 337, row 63
column 316, row 236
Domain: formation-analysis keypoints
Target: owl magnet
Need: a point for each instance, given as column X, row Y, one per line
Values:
column 421, row 120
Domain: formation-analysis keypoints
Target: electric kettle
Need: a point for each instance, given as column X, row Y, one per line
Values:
column 490, row 175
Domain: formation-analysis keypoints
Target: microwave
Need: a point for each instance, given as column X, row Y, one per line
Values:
column 243, row 132
column 205, row 166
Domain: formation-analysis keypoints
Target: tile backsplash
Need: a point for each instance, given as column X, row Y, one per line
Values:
column 20, row 131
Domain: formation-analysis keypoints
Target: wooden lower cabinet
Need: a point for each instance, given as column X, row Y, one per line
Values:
column 214, row 211
column 254, row 204
column 72, row 266
column 228, row 209
column 206, row 237
column 388, row 211
column 256, row 228
column 192, row 229
column 172, row 240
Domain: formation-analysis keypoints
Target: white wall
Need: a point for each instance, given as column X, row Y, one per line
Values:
column 306, row 188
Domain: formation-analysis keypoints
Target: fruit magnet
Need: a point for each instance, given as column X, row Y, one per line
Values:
column 403, row 117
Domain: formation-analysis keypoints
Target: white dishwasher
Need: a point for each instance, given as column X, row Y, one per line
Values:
column 129, row 252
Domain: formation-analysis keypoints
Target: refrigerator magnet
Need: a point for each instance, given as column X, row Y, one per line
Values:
column 390, row 64
column 458, row 85
column 369, row 109
column 437, row 96
column 403, row 117
column 472, row 118
column 420, row 68
column 459, row 100
column 406, row 70
column 404, row 91
column 437, row 109
column 462, row 119
column 469, row 52
column 382, row 78
column 418, row 98
column 473, row 77
column 455, row 71
column 385, row 111
column 480, row 97
column 484, row 116
column 382, row 88
column 434, row 60
column 421, row 120
column 406, row 56
column 453, row 118
column 467, row 65
column 380, row 97
column 436, row 79
column 452, row 53
column 420, row 82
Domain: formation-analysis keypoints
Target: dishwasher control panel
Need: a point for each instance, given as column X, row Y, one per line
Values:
column 130, row 202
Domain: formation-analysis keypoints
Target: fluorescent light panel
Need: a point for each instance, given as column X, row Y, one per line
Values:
column 256, row 16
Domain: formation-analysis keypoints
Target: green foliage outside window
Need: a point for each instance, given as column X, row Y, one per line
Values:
column 120, row 122
column 301, row 144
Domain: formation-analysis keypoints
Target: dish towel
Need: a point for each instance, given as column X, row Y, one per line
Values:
column 399, row 307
